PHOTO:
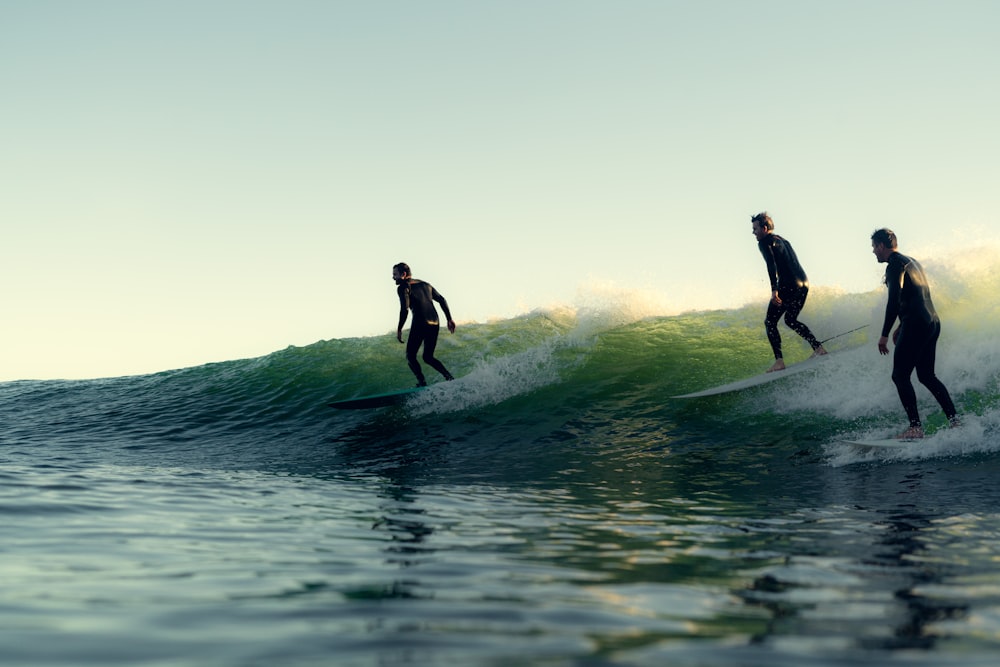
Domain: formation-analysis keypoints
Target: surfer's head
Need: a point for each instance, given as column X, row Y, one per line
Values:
column 764, row 220
column 762, row 225
column 883, row 243
column 401, row 272
column 886, row 237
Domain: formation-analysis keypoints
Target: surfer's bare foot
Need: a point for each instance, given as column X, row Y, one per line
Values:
column 779, row 365
column 819, row 351
column 954, row 422
column 912, row 433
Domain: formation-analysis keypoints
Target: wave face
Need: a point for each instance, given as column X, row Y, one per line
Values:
column 546, row 381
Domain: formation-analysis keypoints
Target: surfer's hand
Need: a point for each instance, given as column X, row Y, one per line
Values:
column 895, row 336
column 451, row 326
column 883, row 345
column 399, row 335
column 776, row 299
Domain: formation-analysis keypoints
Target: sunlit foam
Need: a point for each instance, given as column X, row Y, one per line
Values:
column 491, row 382
column 978, row 434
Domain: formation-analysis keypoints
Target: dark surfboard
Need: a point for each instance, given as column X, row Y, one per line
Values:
column 375, row 400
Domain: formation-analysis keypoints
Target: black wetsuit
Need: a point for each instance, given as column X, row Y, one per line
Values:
column 919, row 329
column 789, row 280
column 418, row 296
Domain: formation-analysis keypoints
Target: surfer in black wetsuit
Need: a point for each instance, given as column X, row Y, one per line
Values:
column 418, row 296
column 916, row 336
column 789, row 288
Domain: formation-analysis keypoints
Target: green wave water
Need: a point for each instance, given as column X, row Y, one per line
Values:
column 599, row 375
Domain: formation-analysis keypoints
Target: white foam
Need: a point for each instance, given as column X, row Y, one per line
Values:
column 977, row 435
column 492, row 381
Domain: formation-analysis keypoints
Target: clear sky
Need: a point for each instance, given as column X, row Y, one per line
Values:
column 189, row 181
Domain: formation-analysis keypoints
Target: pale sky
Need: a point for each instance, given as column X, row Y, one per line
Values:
column 191, row 181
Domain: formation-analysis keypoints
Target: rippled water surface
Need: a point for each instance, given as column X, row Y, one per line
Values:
column 146, row 565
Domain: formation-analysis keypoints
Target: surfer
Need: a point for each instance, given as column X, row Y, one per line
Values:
column 916, row 336
column 789, row 288
column 418, row 296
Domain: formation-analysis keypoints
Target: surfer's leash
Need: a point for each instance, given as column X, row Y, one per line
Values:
column 843, row 334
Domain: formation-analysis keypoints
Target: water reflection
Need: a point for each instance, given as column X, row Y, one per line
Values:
column 853, row 575
column 406, row 524
column 909, row 551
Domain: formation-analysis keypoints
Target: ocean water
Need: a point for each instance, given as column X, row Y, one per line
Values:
column 554, row 506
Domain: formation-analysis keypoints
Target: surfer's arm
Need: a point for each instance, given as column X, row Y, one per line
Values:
column 883, row 342
column 404, row 311
column 767, row 252
column 444, row 306
column 893, row 280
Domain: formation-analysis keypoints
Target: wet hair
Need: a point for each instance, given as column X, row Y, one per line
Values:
column 763, row 220
column 403, row 268
column 885, row 236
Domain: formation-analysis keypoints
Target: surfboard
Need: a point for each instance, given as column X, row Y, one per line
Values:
column 375, row 400
column 756, row 380
column 889, row 443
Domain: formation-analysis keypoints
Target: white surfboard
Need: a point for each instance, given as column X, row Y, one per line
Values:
column 763, row 378
column 888, row 443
